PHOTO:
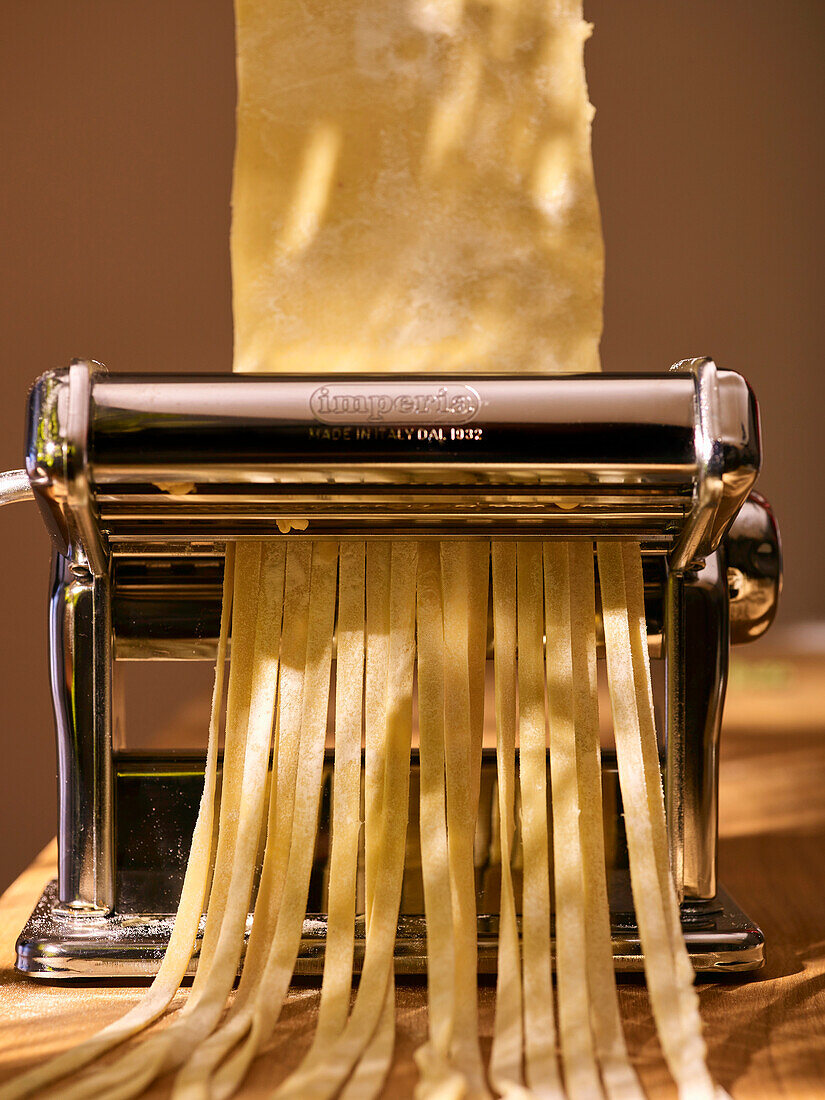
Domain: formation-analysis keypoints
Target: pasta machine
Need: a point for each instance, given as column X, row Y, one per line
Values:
column 143, row 479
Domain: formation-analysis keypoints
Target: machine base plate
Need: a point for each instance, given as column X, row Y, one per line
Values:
column 720, row 939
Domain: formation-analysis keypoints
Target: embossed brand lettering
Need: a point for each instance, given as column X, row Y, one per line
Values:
column 394, row 403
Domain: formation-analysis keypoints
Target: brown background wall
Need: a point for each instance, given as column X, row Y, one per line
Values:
column 116, row 132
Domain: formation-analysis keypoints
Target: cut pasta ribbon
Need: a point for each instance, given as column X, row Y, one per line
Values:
column 541, row 1067
column 506, row 1057
column 619, row 1079
column 391, row 600
column 570, row 871
column 667, row 967
column 437, row 1076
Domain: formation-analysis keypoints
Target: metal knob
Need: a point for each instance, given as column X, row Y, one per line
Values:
column 754, row 560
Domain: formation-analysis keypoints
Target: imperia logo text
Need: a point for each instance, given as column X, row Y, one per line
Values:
column 394, row 403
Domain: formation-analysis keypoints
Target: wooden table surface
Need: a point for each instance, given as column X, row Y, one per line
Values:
column 766, row 1032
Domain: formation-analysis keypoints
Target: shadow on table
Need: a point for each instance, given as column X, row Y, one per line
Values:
column 776, row 876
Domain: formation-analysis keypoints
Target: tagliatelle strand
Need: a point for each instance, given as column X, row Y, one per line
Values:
column 507, row 1054
column 379, row 558
column 461, row 562
column 693, row 1044
column 619, row 1078
column 581, row 1075
column 238, row 701
column 666, row 979
column 285, row 775
column 634, row 597
column 541, row 1066
column 346, row 796
column 433, row 1057
column 373, row 1063
column 477, row 656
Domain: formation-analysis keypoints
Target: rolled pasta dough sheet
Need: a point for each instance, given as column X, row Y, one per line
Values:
column 413, row 187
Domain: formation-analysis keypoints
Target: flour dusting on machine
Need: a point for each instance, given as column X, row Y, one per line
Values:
column 143, row 479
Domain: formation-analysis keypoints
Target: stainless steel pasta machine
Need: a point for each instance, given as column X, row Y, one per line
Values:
column 143, row 479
